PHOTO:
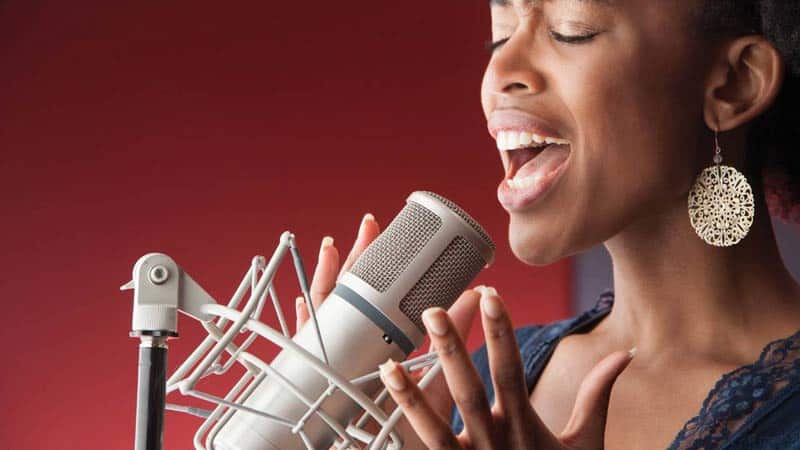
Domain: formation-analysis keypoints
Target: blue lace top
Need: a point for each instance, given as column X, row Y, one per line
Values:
column 755, row 407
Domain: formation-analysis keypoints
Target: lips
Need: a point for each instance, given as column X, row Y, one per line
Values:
column 533, row 180
column 519, row 120
column 533, row 152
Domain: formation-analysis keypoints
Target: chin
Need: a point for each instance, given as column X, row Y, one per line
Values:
column 534, row 247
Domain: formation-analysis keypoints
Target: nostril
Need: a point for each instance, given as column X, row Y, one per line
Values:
column 515, row 86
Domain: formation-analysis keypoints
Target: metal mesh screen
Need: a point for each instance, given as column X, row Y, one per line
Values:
column 391, row 252
column 444, row 281
column 456, row 209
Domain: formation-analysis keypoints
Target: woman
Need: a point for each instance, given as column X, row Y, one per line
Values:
column 635, row 98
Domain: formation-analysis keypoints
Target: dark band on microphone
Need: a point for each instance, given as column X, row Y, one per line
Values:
column 376, row 316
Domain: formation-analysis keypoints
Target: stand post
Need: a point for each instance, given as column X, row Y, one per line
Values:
column 151, row 393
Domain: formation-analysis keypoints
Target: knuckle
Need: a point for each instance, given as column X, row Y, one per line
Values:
column 447, row 348
column 407, row 402
column 497, row 333
column 472, row 401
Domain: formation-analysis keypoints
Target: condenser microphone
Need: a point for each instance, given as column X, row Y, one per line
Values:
column 426, row 257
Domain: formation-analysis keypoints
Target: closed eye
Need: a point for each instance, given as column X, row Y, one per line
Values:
column 573, row 38
column 491, row 46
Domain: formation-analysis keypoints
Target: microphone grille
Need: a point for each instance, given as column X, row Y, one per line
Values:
column 393, row 250
column 444, row 281
column 461, row 213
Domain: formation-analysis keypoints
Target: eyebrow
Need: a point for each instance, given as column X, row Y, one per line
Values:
column 508, row 2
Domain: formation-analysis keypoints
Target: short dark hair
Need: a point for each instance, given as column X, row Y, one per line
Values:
column 773, row 157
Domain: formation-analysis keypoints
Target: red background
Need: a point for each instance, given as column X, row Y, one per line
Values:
column 204, row 131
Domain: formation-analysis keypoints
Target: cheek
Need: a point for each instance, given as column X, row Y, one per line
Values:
column 637, row 124
column 637, row 121
column 640, row 121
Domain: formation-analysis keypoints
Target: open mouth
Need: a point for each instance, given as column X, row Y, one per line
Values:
column 529, row 158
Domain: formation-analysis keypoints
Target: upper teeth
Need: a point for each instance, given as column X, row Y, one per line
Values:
column 510, row 140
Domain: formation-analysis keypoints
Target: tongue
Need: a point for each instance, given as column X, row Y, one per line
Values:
column 545, row 162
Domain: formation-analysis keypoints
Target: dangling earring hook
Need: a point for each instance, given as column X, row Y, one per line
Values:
column 717, row 149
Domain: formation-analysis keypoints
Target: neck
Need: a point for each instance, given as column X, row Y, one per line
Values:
column 674, row 293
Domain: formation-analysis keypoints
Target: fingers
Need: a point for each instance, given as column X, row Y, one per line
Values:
column 367, row 232
column 300, row 312
column 432, row 430
column 326, row 272
column 462, row 313
column 505, row 365
column 505, row 362
column 324, row 278
column 463, row 381
column 586, row 425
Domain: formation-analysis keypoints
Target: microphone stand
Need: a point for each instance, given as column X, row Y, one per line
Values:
column 161, row 289
column 151, row 393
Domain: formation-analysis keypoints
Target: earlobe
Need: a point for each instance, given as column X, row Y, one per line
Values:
column 744, row 84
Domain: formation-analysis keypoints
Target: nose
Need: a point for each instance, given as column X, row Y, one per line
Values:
column 513, row 69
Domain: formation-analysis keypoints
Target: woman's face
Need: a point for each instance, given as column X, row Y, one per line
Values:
column 617, row 87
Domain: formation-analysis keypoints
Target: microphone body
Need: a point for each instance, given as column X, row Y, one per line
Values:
column 426, row 257
column 354, row 346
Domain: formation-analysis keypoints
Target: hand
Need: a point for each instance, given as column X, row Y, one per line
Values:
column 511, row 423
column 326, row 274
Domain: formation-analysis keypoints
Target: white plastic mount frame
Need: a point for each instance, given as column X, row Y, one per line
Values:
column 162, row 288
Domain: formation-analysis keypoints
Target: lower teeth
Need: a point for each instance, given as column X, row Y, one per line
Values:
column 522, row 183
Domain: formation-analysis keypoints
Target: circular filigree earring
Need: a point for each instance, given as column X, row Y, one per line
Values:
column 721, row 205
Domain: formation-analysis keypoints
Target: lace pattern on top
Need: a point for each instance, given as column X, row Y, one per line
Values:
column 740, row 392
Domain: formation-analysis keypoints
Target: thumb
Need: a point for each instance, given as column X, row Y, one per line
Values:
column 587, row 424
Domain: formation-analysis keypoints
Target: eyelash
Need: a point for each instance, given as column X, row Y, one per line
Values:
column 573, row 39
column 566, row 39
column 492, row 46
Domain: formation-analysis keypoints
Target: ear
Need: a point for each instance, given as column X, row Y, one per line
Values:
column 744, row 83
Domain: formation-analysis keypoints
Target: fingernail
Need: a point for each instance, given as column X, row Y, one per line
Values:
column 392, row 376
column 632, row 352
column 299, row 301
column 327, row 241
column 364, row 220
column 434, row 321
column 490, row 305
column 486, row 290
